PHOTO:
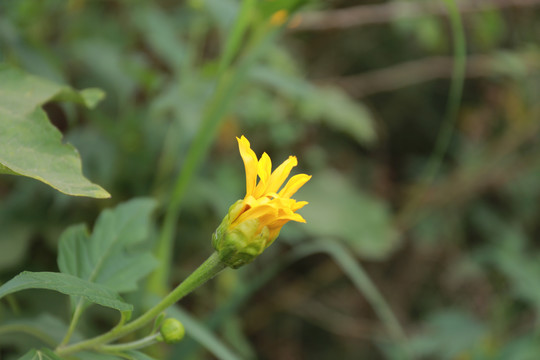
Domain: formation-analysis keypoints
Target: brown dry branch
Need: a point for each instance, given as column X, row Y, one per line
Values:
column 386, row 12
column 423, row 70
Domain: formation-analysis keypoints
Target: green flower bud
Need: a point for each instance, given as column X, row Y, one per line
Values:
column 241, row 244
column 172, row 331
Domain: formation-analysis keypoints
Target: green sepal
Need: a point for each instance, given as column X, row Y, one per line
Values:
column 158, row 322
column 241, row 244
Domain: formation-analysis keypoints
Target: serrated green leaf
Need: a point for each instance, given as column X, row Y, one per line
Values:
column 126, row 270
column 72, row 255
column 88, row 97
column 103, row 257
column 43, row 354
column 66, row 284
column 31, row 145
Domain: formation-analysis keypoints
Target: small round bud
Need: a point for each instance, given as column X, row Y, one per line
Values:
column 172, row 331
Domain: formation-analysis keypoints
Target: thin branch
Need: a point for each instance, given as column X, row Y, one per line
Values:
column 386, row 12
column 428, row 69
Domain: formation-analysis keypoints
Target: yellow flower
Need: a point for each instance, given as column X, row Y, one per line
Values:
column 263, row 201
column 253, row 223
column 279, row 17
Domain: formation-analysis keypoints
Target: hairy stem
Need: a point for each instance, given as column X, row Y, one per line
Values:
column 133, row 345
column 210, row 268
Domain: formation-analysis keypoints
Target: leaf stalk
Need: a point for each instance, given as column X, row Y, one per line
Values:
column 206, row 271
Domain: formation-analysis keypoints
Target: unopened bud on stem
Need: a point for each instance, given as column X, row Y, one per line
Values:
column 171, row 331
column 253, row 223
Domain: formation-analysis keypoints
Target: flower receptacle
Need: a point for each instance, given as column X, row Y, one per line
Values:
column 241, row 244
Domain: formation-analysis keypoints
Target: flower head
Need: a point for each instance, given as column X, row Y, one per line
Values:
column 279, row 17
column 253, row 223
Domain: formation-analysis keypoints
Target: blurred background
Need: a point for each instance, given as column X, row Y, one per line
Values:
column 405, row 250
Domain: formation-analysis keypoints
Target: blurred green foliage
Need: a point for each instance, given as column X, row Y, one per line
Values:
column 456, row 259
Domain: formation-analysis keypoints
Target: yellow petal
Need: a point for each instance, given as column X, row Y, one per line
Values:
column 264, row 170
column 237, row 209
column 257, row 212
column 282, row 220
column 298, row 205
column 279, row 175
column 295, row 183
column 250, row 201
column 284, row 205
column 250, row 163
column 287, row 208
column 287, row 213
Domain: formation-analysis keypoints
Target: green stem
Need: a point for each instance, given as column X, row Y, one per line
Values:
column 230, row 81
column 210, row 268
column 133, row 345
column 13, row 304
column 210, row 123
column 363, row 283
column 408, row 215
column 234, row 40
column 201, row 143
column 228, row 87
column 456, row 89
column 74, row 321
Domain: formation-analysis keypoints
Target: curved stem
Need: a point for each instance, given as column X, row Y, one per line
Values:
column 361, row 280
column 210, row 268
column 133, row 345
column 211, row 119
column 456, row 90
column 408, row 216
column 74, row 320
column 229, row 83
column 12, row 302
